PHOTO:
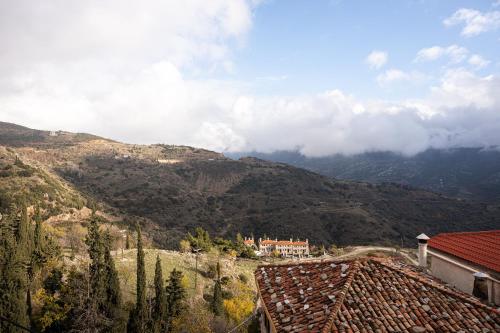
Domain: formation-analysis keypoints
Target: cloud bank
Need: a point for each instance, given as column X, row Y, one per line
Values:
column 122, row 74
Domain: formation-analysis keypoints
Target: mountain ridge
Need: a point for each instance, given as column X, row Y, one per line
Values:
column 467, row 173
column 177, row 188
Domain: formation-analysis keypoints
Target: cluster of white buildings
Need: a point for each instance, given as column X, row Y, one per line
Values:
column 283, row 248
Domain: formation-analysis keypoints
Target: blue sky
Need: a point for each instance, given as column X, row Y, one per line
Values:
column 318, row 76
column 312, row 46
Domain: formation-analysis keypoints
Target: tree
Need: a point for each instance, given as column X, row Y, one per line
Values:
column 113, row 300
column 23, row 233
column 185, row 246
column 176, row 295
column 13, row 287
column 138, row 316
column 201, row 240
column 24, row 238
column 243, row 250
column 241, row 305
column 92, row 315
column 96, row 266
column 217, row 300
column 197, row 319
column 160, row 305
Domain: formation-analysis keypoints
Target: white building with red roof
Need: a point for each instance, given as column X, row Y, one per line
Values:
column 469, row 261
column 249, row 241
column 284, row 248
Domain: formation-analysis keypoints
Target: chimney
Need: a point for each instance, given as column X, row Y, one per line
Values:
column 291, row 240
column 483, row 287
column 422, row 250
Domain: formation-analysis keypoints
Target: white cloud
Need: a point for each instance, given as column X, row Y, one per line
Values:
column 129, row 83
column 121, row 33
column 455, row 53
column 160, row 105
column 474, row 21
column 477, row 61
column 376, row 59
column 395, row 75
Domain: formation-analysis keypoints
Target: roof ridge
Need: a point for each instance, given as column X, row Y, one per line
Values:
column 308, row 262
column 438, row 286
column 342, row 293
column 466, row 232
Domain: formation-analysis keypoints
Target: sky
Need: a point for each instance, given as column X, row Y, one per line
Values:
column 321, row 77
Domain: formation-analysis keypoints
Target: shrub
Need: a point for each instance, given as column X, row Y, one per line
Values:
column 225, row 280
column 243, row 278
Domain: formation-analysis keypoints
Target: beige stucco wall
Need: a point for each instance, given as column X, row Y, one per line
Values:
column 496, row 292
column 454, row 275
column 459, row 277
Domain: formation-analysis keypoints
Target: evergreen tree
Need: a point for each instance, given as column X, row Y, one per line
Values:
column 37, row 237
column 138, row 316
column 160, row 307
column 217, row 301
column 201, row 240
column 93, row 314
column 95, row 250
column 13, row 288
column 176, row 295
column 113, row 298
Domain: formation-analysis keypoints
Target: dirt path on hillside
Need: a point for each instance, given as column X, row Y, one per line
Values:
column 359, row 250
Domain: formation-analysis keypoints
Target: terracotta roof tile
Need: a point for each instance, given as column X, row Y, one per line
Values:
column 282, row 242
column 366, row 295
column 481, row 248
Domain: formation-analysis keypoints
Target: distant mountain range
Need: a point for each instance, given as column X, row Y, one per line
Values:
column 173, row 189
column 469, row 173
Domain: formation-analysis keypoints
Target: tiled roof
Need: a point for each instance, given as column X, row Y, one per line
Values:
column 366, row 295
column 248, row 241
column 481, row 248
column 281, row 242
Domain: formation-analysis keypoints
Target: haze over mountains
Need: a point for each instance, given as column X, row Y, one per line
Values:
column 172, row 189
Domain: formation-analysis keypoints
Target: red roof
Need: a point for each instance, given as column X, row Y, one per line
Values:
column 481, row 248
column 282, row 242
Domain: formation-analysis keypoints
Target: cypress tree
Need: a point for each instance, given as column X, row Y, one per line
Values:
column 23, row 234
column 159, row 309
column 13, row 300
column 37, row 237
column 176, row 295
column 112, row 283
column 138, row 316
column 95, row 250
column 217, row 301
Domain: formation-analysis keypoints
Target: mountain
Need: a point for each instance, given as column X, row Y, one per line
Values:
column 173, row 189
column 468, row 173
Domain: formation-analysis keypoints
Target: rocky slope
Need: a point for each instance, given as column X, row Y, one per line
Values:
column 176, row 188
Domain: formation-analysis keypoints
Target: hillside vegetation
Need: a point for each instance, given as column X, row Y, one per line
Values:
column 173, row 189
column 468, row 173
